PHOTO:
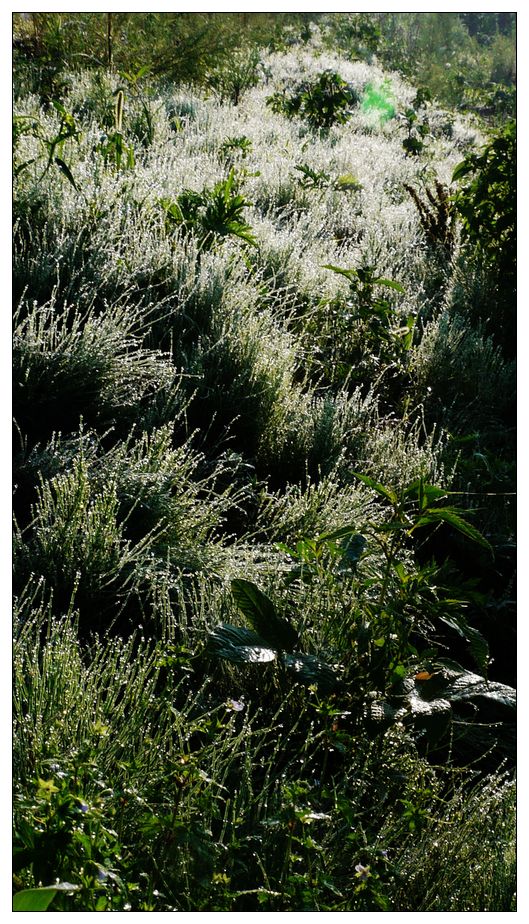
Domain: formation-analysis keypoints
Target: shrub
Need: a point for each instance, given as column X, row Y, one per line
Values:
column 324, row 102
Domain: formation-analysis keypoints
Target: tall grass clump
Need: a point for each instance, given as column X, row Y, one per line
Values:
column 70, row 365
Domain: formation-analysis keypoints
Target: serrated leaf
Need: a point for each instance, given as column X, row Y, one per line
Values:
column 452, row 517
column 260, row 612
column 477, row 643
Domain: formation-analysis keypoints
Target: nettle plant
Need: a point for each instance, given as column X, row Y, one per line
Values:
column 322, row 102
column 211, row 215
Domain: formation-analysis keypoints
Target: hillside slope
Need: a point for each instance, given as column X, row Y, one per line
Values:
column 264, row 462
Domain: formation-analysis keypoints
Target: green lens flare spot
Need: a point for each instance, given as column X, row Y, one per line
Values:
column 377, row 101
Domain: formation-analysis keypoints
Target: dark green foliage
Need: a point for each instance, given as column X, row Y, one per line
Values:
column 68, row 131
column 486, row 204
column 312, row 179
column 449, row 706
column 487, row 200
column 236, row 75
column 232, row 147
column 417, row 125
column 367, row 333
column 212, row 214
column 462, row 64
column 113, row 147
column 182, row 47
column 242, row 646
column 260, row 612
column 41, row 898
column 323, row 102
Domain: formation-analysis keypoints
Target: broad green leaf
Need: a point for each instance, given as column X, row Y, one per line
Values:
column 426, row 494
column 310, row 670
column 477, row 643
column 388, row 493
column 461, row 170
column 282, row 547
column 58, row 106
column 247, row 654
column 348, row 273
column 239, row 645
column 260, row 613
column 389, row 283
column 40, row 899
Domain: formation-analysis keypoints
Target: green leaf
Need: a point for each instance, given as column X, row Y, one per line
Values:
column 426, row 494
column 260, row 612
column 348, row 273
column 310, row 670
column 18, row 170
column 477, row 643
column 389, row 283
column 64, row 168
column 352, row 549
column 452, row 517
column 461, row 170
column 41, row 898
column 388, row 493
column 239, row 645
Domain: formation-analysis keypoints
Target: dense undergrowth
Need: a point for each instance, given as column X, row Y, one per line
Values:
column 264, row 474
